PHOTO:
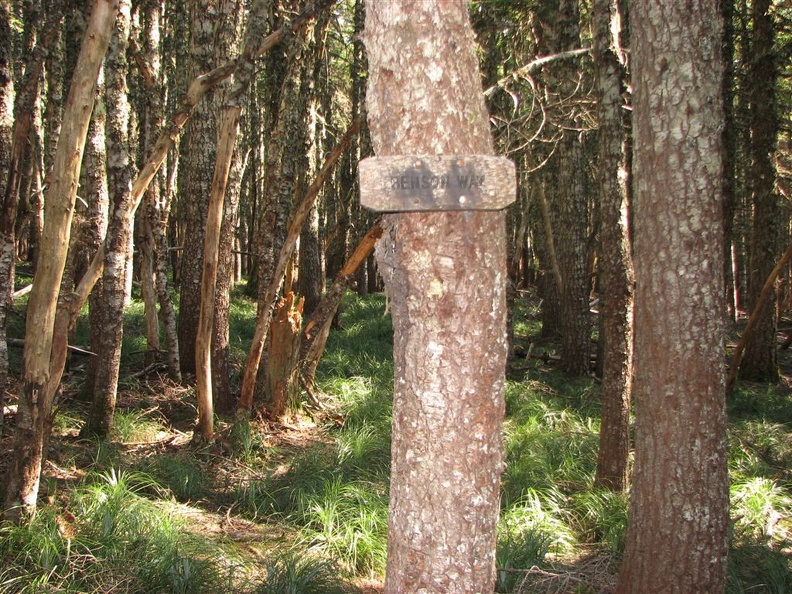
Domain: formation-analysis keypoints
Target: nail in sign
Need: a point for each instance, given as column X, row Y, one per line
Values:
column 438, row 182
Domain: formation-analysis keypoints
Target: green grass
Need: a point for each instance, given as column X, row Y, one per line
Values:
column 113, row 535
column 326, row 496
column 182, row 474
column 294, row 572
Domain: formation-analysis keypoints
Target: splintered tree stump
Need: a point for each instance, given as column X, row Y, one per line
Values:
column 282, row 391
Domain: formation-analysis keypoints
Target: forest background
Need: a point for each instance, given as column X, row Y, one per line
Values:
column 285, row 216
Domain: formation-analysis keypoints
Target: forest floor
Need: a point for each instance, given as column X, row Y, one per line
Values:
column 210, row 517
column 213, row 488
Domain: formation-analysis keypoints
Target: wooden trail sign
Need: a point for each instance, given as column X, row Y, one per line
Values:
column 436, row 182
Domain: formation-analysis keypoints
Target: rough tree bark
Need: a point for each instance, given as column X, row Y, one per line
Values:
column 93, row 190
column 35, row 400
column 615, row 264
column 446, row 275
column 678, row 517
column 196, row 167
column 118, row 242
column 8, row 217
column 156, row 203
column 282, row 389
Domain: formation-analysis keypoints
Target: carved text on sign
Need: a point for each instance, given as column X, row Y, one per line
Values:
column 413, row 183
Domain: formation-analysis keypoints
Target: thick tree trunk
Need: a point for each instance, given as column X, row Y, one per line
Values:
column 35, row 401
column 118, row 242
column 678, row 519
column 196, row 166
column 615, row 263
column 446, row 275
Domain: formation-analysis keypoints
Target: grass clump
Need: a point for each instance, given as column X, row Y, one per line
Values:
column 296, row 573
column 182, row 474
column 134, row 426
column 549, row 445
column 109, row 537
column 346, row 522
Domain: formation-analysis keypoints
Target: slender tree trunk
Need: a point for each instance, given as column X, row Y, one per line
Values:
column 93, row 189
column 678, row 518
column 760, row 361
column 72, row 303
column 615, row 273
column 224, row 399
column 446, row 275
column 8, row 216
column 310, row 280
column 729, row 157
column 118, row 243
column 264, row 314
column 317, row 329
column 154, row 215
column 229, row 128
column 35, row 400
column 11, row 170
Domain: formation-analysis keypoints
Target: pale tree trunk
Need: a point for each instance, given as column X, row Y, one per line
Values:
column 154, row 215
column 71, row 304
column 615, row 262
column 35, row 400
column 144, row 245
column 93, row 189
column 9, row 206
column 446, row 276
column 12, row 169
column 224, row 399
column 678, row 518
column 227, row 141
column 760, row 361
column 118, row 242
